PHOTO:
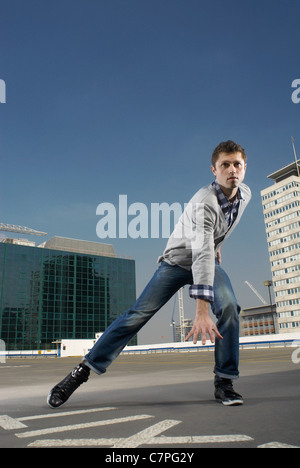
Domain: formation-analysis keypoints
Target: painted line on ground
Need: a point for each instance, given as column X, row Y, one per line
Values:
column 8, row 423
column 277, row 445
column 9, row 367
column 53, row 430
column 73, row 443
column 65, row 413
column 210, row 439
column 120, row 442
column 142, row 437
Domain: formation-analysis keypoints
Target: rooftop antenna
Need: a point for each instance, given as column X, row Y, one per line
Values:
column 296, row 160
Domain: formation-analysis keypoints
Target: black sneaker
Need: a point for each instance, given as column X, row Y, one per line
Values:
column 224, row 392
column 64, row 389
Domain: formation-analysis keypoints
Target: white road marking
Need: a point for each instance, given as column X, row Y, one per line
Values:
column 144, row 436
column 277, row 445
column 151, row 441
column 9, row 367
column 149, row 436
column 210, row 439
column 74, row 443
column 53, row 430
column 66, row 413
column 8, row 423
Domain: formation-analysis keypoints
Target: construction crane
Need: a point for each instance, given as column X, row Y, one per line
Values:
column 181, row 315
column 173, row 323
column 21, row 230
column 255, row 292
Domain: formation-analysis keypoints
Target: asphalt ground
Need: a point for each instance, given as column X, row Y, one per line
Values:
column 162, row 402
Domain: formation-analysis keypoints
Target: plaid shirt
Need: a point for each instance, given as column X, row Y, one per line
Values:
column 230, row 211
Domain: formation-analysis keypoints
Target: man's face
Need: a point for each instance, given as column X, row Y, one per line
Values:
column 229, row 171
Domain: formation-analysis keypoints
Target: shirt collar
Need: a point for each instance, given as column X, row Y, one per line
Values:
column 223, row 200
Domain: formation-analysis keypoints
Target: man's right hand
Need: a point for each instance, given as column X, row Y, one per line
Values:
column 203, row 324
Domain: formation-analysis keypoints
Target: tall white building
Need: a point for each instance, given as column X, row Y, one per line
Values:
column 281, row 208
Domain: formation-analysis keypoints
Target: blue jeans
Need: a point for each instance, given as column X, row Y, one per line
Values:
column 166, row 281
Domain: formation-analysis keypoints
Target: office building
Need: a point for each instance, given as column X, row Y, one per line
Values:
column 261, row 320
column 64, row 289
column 281, row 208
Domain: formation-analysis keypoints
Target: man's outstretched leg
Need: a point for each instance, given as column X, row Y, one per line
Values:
column 166, row 281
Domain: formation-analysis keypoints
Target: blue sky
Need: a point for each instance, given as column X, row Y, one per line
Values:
column 131, row 97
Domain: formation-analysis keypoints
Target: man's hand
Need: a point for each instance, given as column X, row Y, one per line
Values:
column 203, row 324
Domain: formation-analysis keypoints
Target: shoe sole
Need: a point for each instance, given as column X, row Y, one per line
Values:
column 231, row 402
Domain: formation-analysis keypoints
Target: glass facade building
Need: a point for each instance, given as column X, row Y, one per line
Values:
column 47, row 295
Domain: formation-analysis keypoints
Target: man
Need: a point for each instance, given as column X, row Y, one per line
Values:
column 192, row 256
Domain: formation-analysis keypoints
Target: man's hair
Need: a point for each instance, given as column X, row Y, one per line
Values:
column 227, row 147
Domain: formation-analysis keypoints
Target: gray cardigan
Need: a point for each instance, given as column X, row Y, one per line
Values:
column 200, row 232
